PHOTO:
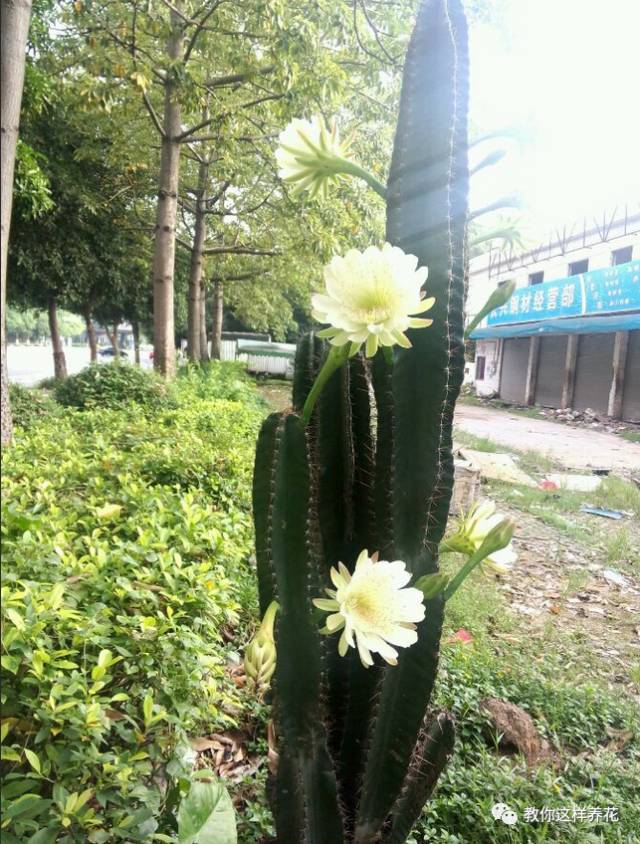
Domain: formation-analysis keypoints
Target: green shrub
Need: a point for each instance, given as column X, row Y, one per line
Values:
column 29, row 405
column 112, row 385
column 48, row 383
column 125, row 545
column 218, row 380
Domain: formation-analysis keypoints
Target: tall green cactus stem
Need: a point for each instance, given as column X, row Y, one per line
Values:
column 383, row 391
column 292, row 575
column 432, row 754
column 309, row 354
column 262, row 504
column 369, row 465
column 426, row 214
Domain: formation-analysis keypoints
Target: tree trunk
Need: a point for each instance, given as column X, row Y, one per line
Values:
column 204, row 345
column 91, row 335
column 196, row 303
column 13, row 41
column 216, row 325
column 164, row 250
column 59, row 360
column 135, row 328
column 114, row 341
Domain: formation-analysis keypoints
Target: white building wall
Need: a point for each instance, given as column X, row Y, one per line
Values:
column 491, row 351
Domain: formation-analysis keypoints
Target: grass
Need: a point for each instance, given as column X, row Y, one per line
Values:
column 632, row 436
column 620, row 547
column 618, row 494
column 551, row 671
column 276, row 392
column 613, row 493
column 536, row 671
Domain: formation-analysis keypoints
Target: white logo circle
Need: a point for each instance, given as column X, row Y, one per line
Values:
column 509, row 817
column 499, row 809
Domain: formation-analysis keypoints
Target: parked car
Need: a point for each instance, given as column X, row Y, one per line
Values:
column 109, row 352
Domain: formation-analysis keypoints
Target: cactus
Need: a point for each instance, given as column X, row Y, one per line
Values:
column 359, row 749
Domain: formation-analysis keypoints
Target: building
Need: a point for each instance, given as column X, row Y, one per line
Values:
column 570, row 335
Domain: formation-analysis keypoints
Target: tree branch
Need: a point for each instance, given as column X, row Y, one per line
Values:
column 199, row 27
column 153, row 115
column 220, row 193
column 188, row 21
column 236, row 277
column 186, row 135
column 186, row 205
column 240, row 250
column 235, row 78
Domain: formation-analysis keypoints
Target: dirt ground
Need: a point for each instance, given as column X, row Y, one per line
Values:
column 566, row 590
column 575, row 448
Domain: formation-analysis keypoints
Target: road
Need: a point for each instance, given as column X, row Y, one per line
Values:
column 575, row 448
column 30, row 364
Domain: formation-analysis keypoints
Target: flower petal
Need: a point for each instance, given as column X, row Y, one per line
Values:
column 364, row 653
column 326, row 604
column 335, row 622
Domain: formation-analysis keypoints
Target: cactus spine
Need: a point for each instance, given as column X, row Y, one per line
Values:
column 359, row 753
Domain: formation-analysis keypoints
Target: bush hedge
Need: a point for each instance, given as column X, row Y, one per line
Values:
column 112, row 385
column 29, row 406
column 125, row 544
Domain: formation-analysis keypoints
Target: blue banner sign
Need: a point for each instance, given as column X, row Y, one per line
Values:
column 607, row 291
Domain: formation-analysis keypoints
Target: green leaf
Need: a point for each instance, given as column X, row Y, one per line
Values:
column 104, row 658
column 16, row 618
column 206, row 815
column 56, row 596
column 15, row 788
column 23, row 805
column 10, row 663
column 44, row 836
column 34, row 761
column 9, row 754
column 147, row 708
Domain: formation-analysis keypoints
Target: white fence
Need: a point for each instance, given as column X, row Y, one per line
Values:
column 228, row 350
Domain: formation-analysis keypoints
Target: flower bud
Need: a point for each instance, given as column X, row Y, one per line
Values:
column 260, row 653
column 499, row 537
column 432, row 584
column 311, row 155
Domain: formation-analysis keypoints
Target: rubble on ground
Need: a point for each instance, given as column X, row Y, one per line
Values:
column 495, row 466
column 587, row 418
column 575, row 483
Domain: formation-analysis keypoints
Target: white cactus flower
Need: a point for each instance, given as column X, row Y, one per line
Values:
column 310, row 155
column 373, row 608
column 481, row 520
column 372, row 297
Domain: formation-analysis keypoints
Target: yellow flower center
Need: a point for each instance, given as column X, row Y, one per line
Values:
column 367, row 608
column 373, row 304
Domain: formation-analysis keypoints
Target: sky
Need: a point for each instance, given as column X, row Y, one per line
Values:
column 566, row 73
